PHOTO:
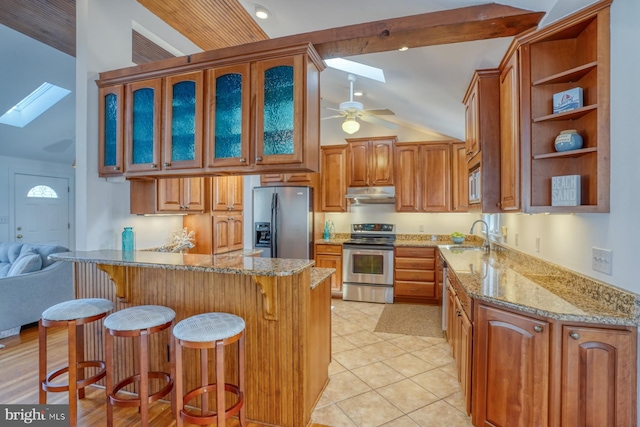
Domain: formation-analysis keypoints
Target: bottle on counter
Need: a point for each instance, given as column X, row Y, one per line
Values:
column 327, row 232
column 128, row 240
column 332, row 229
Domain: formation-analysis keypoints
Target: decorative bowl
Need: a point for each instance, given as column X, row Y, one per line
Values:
column 568, row 140
column 457, row 240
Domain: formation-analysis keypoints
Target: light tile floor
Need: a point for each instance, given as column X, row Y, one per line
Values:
column 380, row 379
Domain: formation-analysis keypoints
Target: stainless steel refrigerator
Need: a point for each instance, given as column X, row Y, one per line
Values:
column 283, row 221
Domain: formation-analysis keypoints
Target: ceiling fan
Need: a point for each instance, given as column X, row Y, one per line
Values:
column 352, row 110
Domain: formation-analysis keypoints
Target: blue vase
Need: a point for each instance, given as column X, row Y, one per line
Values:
column 128, row 240
column 568, row 140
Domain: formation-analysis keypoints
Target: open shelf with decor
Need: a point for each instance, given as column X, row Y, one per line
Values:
column 565, row 70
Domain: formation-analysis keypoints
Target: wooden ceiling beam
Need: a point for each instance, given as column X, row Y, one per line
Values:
column 428, row 29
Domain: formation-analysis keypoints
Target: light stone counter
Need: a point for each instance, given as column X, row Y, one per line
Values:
column 319, row 275
column 239, row 262
column 516, row 281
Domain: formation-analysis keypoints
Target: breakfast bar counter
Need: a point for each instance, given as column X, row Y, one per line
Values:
column 285, row 305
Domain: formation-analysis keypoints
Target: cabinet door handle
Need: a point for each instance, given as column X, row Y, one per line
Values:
column 154, row 166
column 458, row 313
column 575, row 335
column 538, row 328
column 243, row 160
column 167, row 164
column 230, row 218
column 258, row 159
column 116, row 168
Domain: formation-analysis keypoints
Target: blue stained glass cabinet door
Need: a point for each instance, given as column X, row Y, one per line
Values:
column 183, row 110
column 228, row 116
column 279, row 110
column 111, row 141
column 144, row 108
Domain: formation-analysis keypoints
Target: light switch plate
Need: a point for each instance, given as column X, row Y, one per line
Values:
column 601, row 260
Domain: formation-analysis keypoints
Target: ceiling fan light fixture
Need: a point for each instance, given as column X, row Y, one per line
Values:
column 350, row 125
column 261, row 12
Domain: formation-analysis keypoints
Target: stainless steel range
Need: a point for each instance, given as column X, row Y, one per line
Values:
column 367, row 273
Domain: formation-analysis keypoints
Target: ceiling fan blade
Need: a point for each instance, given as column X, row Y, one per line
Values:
column 334, row 109
column 331, row 117
column 380, row 112
column 377, row 121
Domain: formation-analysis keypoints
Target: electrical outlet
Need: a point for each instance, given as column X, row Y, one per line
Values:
column 4, row 220
column 537, row 244
column 421, row 228
column 516, row 239
column 601, row 260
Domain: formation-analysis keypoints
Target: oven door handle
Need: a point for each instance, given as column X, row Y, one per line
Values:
column 368, row 247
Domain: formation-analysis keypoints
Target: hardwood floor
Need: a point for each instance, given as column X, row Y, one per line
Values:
column 19, row 384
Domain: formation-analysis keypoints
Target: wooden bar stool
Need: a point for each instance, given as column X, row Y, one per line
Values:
column 209, row 331
column 73, row 315
column 140, row 321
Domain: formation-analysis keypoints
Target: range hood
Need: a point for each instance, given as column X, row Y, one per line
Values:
column 372, row 194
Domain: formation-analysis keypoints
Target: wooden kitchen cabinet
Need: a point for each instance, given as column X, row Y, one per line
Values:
column 598, row 376
column 164, row 124
column 370, row 161
column 228, row 233
column 460, row 336
column 415, row 275
column 511, row 368
column 423, row 177
column 181, row 195
column 288, row 179
column 143, row 126
column 571, row 53
column 167, row 195
column 111, row 131
column 482, row 139
column 510, row 133
column 330, row 256
column 459, row 179
column 333, row 176
column 227, row 193
column 259, row 114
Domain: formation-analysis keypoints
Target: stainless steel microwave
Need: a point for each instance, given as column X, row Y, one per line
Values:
column 475, row 185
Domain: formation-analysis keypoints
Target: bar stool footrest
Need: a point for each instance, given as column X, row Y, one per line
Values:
column 135, row 402
column 48, row 386
column 210, row 419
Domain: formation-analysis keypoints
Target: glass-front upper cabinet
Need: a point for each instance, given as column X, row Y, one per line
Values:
column 228, row 116
column 183, row 113
column 144, row 107
column 279, row 110
column 111, row 116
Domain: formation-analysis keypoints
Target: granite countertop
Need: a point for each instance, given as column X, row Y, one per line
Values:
column 319, row 275
column 238, row 262
column 533, row 286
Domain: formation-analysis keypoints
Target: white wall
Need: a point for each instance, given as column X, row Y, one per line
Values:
column 568, row 239
column 103, row 44
column 9, row 166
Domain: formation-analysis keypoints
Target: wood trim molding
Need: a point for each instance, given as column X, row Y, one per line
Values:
column 268, row 286
column 119, row 276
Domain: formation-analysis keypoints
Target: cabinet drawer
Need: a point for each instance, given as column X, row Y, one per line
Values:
column 413, row 252
column 415, row 263
column 329, row 249
column 416, row 275
column 412, row 289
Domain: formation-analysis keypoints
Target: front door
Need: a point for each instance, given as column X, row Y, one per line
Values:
column 41, row 209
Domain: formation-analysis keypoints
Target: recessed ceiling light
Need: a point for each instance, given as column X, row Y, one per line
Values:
column 357, row 93
column 261, row 12
column 34, row 104
column 403, row 48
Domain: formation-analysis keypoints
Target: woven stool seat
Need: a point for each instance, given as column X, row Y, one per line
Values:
column 77, row 309
column 141, row 317
column 208, row 327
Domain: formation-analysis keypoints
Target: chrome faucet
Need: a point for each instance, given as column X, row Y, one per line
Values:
column 485, row 245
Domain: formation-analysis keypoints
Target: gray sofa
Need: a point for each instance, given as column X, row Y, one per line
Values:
column 30, row 283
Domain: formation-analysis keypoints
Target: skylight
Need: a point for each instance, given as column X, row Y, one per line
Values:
column 356, row 68
column 34, row 104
